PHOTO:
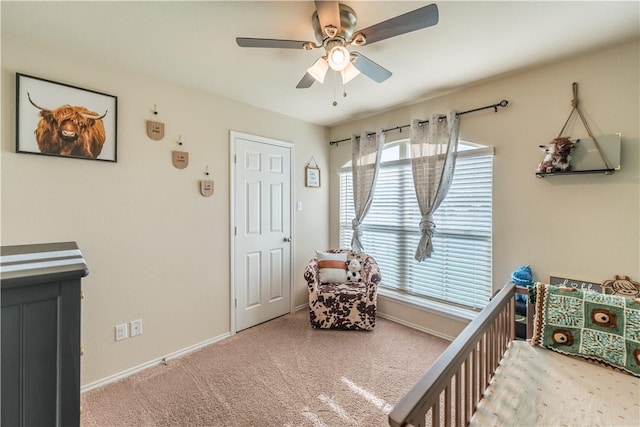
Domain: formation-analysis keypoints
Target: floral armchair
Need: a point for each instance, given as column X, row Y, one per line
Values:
column 344, row 305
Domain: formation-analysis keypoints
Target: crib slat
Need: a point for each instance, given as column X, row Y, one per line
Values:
column 490, row 350
column 435, row 414
column 474, row 378
column 467, row 389
column 483, row 364
column 457, row 416
column 447, row 405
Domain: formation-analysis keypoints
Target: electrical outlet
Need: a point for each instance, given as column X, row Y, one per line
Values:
column 121, row 332
column 136, row 327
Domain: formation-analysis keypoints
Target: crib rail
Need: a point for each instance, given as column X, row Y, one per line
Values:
column 450, row 390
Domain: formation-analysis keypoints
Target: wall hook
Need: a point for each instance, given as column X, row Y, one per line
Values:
column 155, row 109
column 179, row 139
column 206, row 170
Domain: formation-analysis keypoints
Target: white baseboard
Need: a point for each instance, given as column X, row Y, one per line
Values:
column 127, row 372
column 415, row 326
column 301, row 307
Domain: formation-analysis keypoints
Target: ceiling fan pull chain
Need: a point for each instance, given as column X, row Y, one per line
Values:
column 335, row 89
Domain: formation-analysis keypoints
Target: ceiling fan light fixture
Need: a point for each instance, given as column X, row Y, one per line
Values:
column 349, row 73
column 339, row 58
column 319, row 69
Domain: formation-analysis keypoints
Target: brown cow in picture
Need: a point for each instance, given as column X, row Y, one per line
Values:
column 70, row 131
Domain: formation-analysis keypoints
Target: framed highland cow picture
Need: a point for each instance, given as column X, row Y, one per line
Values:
column 56, row 119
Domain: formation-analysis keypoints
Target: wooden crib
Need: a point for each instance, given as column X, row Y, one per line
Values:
column 485, row 378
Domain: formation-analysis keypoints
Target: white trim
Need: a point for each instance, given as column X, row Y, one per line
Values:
column 429, row 306
column 301, row 307
column 128, row 372
column 232, row 232
column 415, row 326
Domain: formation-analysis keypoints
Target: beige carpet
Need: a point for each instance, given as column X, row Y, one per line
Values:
column 280, row 373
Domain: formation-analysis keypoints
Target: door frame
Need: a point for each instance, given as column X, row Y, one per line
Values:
column 233, row 135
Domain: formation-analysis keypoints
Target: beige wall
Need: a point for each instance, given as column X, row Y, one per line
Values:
column 156, row 249
column 584, row 226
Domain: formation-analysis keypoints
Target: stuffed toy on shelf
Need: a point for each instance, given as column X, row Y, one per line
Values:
column 557, row 155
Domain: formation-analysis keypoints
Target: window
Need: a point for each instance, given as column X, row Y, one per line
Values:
column 459, row 270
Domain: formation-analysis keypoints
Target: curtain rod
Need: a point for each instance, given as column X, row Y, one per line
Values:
column 502, row 103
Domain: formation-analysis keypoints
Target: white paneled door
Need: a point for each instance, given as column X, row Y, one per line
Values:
column 261, row 229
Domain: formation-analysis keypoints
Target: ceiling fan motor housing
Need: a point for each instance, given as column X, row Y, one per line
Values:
column 348, row 21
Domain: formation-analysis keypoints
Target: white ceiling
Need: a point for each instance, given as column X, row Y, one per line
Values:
column 193, row 43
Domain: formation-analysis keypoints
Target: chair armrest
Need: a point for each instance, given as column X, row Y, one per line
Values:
column 370, row 272
column 311, row 273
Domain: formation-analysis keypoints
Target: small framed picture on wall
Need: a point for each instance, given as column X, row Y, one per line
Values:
column 312, row 176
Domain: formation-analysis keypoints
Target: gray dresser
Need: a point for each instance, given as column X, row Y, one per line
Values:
column 40, row 347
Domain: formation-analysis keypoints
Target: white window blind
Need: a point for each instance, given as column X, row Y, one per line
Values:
column 459, row 270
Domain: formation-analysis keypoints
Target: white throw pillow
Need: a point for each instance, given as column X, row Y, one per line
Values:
column 332, row 267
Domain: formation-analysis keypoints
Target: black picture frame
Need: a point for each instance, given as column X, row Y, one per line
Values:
column 61, row 120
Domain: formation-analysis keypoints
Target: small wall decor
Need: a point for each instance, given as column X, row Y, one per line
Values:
column 180, row 159
column 623, row 286
column 57, row 119
column 576, row 284
column 155, row 130
column 206, row 187
column 312, row 174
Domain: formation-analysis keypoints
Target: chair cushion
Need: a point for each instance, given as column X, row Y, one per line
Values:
column 343, row 290
column 332, row 267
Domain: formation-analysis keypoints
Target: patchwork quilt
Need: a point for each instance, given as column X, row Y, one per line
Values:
column 600, row 327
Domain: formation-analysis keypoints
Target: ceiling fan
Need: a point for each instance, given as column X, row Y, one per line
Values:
column 334, row 25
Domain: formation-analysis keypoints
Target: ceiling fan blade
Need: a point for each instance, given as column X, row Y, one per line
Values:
column 415, row 20
column 306, row 82
column 328, row 14
column 272, row 43
column 370, row 69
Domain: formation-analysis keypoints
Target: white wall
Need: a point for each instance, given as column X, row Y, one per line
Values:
column 586, row 226
column 156, row 248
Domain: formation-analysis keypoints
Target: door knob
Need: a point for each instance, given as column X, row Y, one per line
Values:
column 287, row 239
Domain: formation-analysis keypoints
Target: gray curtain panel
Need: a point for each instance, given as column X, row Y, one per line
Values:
column 366, row 152
column 433, row 155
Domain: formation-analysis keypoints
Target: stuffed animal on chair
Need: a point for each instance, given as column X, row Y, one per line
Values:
column 353, row 271
column 557, row 155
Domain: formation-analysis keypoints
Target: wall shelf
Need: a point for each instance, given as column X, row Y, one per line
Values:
column 588, row 157
column 584, row 172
